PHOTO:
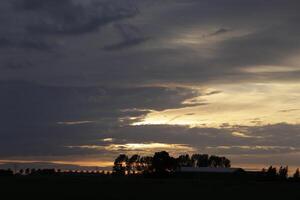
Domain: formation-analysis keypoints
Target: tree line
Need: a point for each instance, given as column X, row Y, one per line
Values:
column 281, row 173
column 162, row 162
column 51, row 172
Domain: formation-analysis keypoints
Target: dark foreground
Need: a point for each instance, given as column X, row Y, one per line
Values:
column 55, row 187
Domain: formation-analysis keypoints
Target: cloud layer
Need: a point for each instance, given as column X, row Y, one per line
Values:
column 79, row 74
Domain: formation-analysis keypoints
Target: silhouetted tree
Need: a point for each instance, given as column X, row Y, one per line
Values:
column 225, row 162
column 200, row 160
column 163, row 163
column 21, row 172
column 27, row 171
column 184, row 161
column 283, row 172
column 297, row 174
column 214, row 161
column 120, row 164
column 272, row 172
column 32, row 171
column 8, row 172
column 146, row 164
column 132, row 163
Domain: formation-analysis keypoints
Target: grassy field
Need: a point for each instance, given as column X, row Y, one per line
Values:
column 144, row 188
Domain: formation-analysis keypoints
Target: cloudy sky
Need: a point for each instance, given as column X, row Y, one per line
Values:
column 84, row 80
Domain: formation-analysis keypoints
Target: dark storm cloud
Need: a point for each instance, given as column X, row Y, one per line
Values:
column 70, row 103
column 42, row 120
column 217, row 32
column 17, row 65
column 252, row 150
column 125, row 44
column 269, row 46
column 67, row 17
column 131, row 36
column 220, row 31
column 269, row 40
column 71, row 28
column 61, row 42
column 31, row 23
column 39, row 119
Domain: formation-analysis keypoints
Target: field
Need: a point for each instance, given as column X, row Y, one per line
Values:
column 144, row 188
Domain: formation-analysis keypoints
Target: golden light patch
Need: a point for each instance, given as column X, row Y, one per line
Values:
column 270, row 69
column 86, row 163
column 137, row 147
column 108, row 139
column 148, row 146
column 140, row 147
column 251, row 104
column 239, row 134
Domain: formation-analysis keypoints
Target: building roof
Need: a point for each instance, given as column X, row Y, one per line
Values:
column 209, row 169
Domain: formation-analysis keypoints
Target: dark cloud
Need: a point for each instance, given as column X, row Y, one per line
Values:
column 38, row 20
column 18, row 65
column 77, row 103
column 71, row 28
column 67, row 17
column 220, row 31
column 268, row 140
column 26, row 43
column 48, row 165
column 125, row 44
column 254, row 150
column 147, row 44
column 131, row 36
column 266, row 47
column 42, row 117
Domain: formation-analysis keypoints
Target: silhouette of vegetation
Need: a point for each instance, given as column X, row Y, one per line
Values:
column 200, row 160
column 120, row 164
column 283, row 172
column 145, row 164
column 132, row 164
column 163, row 163
column 296, row 175
column 134, row 176
column 95, row 185
column 271, row 172
column 8, row 172
column 184, row 161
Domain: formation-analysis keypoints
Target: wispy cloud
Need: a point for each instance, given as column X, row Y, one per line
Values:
column 75, row 122
column 243, row 135
column 139, row 147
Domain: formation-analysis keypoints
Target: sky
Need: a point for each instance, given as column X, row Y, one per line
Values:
column 82, row 81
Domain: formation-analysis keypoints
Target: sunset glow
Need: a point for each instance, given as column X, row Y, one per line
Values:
column 251, row 104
